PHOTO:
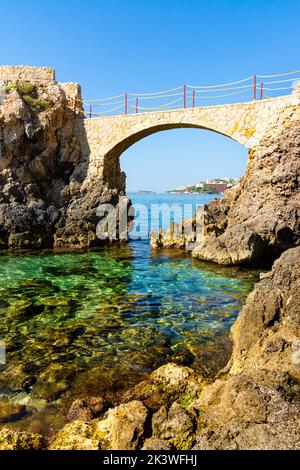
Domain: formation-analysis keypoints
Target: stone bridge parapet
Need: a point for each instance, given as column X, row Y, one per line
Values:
column 104, row 139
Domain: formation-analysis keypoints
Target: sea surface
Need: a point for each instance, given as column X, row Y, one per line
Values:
column 164, row 209
column 91, row 322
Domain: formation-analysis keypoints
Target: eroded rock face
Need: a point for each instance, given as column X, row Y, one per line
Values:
column 175, row 426
column 253, row 404
column 258, row 219
column 257, row 405
column 124, row 426
column 46, row 197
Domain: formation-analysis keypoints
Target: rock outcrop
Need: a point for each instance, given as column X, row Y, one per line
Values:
column 46, row 196
column 54, row 175
column 258, row 219
column 254, row 403
column 257, row 405
column 85, row 409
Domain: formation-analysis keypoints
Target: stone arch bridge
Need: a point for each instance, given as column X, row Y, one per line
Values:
column 104, row 139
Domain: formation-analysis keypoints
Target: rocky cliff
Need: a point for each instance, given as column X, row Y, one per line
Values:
column 256, row 404
column 46, row 198
column 260, row 218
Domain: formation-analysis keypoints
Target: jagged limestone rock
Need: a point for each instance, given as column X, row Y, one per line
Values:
column 123, row 427
column 256, row 404
column 175, row 426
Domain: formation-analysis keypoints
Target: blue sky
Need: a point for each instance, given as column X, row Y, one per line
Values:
column 114, row 46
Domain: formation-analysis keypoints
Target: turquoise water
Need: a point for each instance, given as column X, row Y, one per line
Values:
column 183, row 205
column 78, row 324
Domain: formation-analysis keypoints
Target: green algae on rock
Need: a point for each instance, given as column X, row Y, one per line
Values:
column 75, row 436
column 167, row 384
column 11, row 440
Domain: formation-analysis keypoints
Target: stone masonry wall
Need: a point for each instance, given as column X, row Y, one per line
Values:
column 37, row 74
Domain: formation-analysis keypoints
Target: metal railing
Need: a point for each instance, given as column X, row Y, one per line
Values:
column 190, row 96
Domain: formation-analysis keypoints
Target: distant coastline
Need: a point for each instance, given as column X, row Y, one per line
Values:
column 217, row 193
column 210, row 186
column 143, row 192
column 176, row 192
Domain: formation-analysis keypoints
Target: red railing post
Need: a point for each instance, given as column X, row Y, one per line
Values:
column 261, row 90
column 193, row 100
column 125, row 103
column 137, row 105
column 184, row 96
column 254, row 87
column 90, row 111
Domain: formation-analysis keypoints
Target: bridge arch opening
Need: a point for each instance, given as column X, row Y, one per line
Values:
column 161, row 159
column 171, row 160
column 146, row 150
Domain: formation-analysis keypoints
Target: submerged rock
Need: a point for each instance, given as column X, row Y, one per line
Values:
column 11, row 412
column 54, row 381
column 86, row 409
column 253, row 404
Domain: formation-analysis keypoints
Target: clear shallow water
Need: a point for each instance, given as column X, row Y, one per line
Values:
column 78, row 324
